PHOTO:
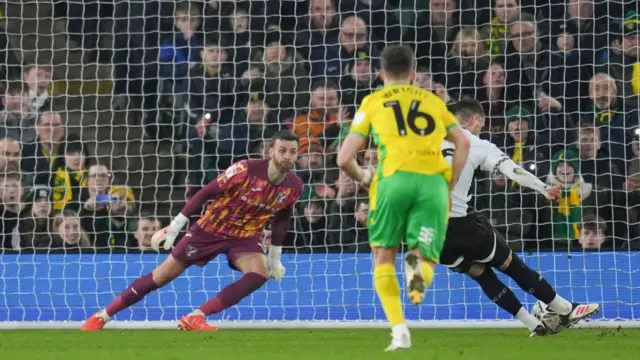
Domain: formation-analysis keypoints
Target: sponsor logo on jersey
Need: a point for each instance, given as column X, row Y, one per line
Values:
column 282, row 197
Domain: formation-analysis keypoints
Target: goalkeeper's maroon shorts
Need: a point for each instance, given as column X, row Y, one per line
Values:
column 198, row 247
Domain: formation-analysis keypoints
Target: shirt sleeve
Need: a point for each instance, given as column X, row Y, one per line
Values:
column 493, row 156
column 361, row 123
column 236, row 174
column 449, row 119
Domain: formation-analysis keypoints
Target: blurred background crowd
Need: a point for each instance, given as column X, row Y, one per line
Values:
column 209, row 82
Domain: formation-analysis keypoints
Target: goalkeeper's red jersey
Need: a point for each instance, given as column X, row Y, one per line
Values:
column 244, row 200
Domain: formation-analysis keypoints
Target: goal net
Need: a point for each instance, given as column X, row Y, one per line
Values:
column 114, row 113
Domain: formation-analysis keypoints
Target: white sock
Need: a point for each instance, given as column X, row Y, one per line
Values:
column 560, row 305
column 399, row 330
column 196, row 312
column 531, row 321
column 103, row 314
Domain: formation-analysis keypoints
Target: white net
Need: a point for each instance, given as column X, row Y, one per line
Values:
column 115, row 112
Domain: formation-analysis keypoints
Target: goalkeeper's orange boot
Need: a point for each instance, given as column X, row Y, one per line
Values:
column 195, row 323
column 94, row 323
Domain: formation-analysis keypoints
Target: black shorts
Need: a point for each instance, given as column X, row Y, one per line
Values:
column 472, row 239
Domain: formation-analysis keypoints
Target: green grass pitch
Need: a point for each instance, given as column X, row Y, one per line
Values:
column 431, row 344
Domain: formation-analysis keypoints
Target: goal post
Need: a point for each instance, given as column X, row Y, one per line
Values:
column 110, row 86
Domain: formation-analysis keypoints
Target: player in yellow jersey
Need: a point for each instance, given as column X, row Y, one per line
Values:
column 409, row 192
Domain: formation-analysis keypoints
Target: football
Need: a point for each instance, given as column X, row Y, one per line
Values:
column 548, row 317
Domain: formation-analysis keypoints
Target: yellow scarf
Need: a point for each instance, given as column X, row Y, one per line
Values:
column 635, row 79
column 517, row 152
column 62, row 192
column 566, row 203
column 496, row 33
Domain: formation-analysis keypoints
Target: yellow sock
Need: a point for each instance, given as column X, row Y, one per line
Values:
column 427, row 272
column 388, row 290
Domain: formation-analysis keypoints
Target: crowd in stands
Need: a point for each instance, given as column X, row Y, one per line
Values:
column 559, row 83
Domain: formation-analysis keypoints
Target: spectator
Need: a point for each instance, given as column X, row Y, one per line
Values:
column 608, row 114
column 38, row 78
column 361, row 80
column 180, row 51
column 286, row 83
column 69, row 177
column 329, row 61
column 424, row 80
column 9, row 155
column 536, row 73
column 10, row 208
column 433, row 33
column 369, row 157
column 9, row 64
column 38, row 157
column 520, row 141
column 239, row 24
column 592, row 232
column 311, row 227
column 68, row 232
column 319, row 27
column 326, row 116
column 579, row 198
column 342, row 219
column 211, row 84
column 35, row 225
column 16, row 120
column 495, row 100
column 497, row 32
column 146, row 227
column 255, row 123
column 121, row 208
column 95, row 212
column 312, row 170
column 595, row 165
column 466, row 58
column 621, row 60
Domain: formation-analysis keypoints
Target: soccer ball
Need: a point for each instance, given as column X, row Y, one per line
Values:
column 548, row 317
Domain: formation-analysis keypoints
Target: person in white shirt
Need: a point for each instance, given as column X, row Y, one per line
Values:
column 474, row 247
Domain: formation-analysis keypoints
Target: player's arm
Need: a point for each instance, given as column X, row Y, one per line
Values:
column 281, row 224
column 358, row 135
column 460, row 140
column 498, row 162
column 234, row 175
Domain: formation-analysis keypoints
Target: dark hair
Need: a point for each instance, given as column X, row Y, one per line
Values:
column 16, row 87
column 466, row 107
column 284, row 135
column 593, row 223
column 11, row 175
column 398, row 61
column 324, row 83
column 186, row 7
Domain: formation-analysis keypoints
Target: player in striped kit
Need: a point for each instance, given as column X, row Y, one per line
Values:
column 245, row 197
column 472, row 246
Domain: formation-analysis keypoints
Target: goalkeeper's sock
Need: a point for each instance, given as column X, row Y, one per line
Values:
column 427, row 272
column 529, row 280
column 134, row 293
column 561, row 305
column 388, row 290
column 233, row 293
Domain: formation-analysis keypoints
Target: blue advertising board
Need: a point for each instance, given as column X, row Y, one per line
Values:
column 39, row 287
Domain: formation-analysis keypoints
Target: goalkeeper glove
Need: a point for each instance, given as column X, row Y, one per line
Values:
column 168, row 234
column 273, row 260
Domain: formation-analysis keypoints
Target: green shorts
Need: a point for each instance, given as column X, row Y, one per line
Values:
column 412, row 206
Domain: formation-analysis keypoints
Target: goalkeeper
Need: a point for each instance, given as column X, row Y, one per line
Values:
column 474, row 247
column 245, row 197
column 409, row 197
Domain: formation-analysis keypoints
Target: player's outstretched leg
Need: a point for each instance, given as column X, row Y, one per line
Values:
column 388, row 290
column 500, row 294
column 162, row 275
column 533, row 283
column 256, row 272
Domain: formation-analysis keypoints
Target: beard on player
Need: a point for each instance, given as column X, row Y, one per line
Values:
column 284, row 154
